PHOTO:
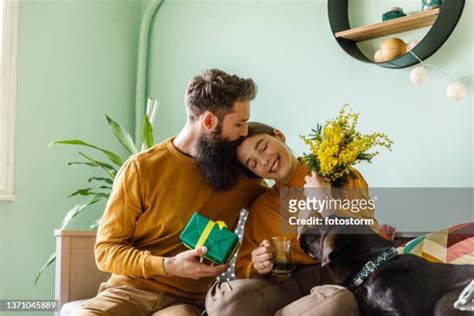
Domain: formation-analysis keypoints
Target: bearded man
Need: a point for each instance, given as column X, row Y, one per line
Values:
column 156, row 192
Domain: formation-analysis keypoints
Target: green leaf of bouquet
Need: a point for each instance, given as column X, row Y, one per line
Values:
column 363, row 156
column 112, row 156
column 50, row 260
column 147, row 132
column 122, row 136
column 104, row 166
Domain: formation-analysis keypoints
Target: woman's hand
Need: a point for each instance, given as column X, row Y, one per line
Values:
column 387, row 232
column 315, row 181
column 262, row 257
column 315, row 186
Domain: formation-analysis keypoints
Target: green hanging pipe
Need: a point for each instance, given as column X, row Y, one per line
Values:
column 142, row 65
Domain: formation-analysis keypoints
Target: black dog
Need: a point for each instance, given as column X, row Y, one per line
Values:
column 383, row 282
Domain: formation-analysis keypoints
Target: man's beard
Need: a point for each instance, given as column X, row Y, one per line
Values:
column 217, row 160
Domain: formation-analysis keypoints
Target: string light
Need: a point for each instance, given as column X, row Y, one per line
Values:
column 455, row 91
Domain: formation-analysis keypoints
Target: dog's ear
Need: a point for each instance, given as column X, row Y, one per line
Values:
column 310, row 243
column 341, row 248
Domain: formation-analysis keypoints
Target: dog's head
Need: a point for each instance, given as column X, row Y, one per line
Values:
column 343, row 249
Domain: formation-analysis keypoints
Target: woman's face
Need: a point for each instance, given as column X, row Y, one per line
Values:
column 267, row 156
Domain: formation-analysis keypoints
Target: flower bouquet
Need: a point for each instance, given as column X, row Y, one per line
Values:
column 336, row 146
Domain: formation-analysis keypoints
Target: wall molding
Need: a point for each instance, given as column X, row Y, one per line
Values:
column 8, row 98
column 142, row 65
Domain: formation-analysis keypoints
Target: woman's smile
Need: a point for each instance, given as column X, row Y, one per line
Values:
column 274, row 166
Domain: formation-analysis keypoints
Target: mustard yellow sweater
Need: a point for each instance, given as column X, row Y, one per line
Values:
column 153, row 196
column 265, row 219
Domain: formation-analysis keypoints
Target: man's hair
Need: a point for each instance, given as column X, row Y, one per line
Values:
column 216, row 91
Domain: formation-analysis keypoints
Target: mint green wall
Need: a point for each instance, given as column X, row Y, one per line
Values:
column 76, row 63
column 304, row 77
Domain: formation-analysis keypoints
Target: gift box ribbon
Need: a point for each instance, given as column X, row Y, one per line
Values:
column 207, row 231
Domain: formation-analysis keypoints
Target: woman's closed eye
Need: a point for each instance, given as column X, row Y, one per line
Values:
column 251, row 164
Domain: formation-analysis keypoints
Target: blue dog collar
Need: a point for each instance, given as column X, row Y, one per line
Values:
column 371, row 266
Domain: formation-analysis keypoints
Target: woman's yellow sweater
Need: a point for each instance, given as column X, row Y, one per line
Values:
column 266, row 218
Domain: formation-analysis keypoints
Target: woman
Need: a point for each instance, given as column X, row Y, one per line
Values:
column 263, row 153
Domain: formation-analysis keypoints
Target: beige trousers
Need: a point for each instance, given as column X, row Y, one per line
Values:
column 117, row 300
column 281, row 296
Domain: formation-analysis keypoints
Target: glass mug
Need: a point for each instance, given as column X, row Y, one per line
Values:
column 281, row 256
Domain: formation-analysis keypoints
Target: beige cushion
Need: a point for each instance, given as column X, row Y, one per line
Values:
column 324, row 300
column 69, row 307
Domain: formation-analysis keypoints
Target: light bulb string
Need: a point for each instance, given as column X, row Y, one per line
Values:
column 466, row 77
column 423, row 64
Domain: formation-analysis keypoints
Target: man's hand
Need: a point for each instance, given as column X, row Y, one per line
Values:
column 262, row 257
column 186, row 265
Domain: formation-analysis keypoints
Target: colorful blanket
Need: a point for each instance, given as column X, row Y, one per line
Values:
column 452, row 245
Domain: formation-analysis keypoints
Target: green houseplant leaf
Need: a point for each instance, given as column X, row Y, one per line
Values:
column 104, row 166
column 50, row 260
column 95, row 225
column 147, row 133
column 77, row 209
column 85, row 191
column 112, row 156
column 89, row 191
column 95, row 196
column 69, row 216
column 123, row 136
column 107, row 180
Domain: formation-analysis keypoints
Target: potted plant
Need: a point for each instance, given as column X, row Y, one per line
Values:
column 100, row 186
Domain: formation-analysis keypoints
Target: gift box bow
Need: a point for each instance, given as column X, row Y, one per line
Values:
column 207, row 231
column 220, row 241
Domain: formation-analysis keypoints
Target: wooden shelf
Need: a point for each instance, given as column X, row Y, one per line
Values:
column 443, row 22
column 399, row 25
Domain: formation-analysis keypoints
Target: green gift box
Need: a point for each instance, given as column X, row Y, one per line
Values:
column 221, row 243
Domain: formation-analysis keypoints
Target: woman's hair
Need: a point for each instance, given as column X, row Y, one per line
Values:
column 256, row 128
